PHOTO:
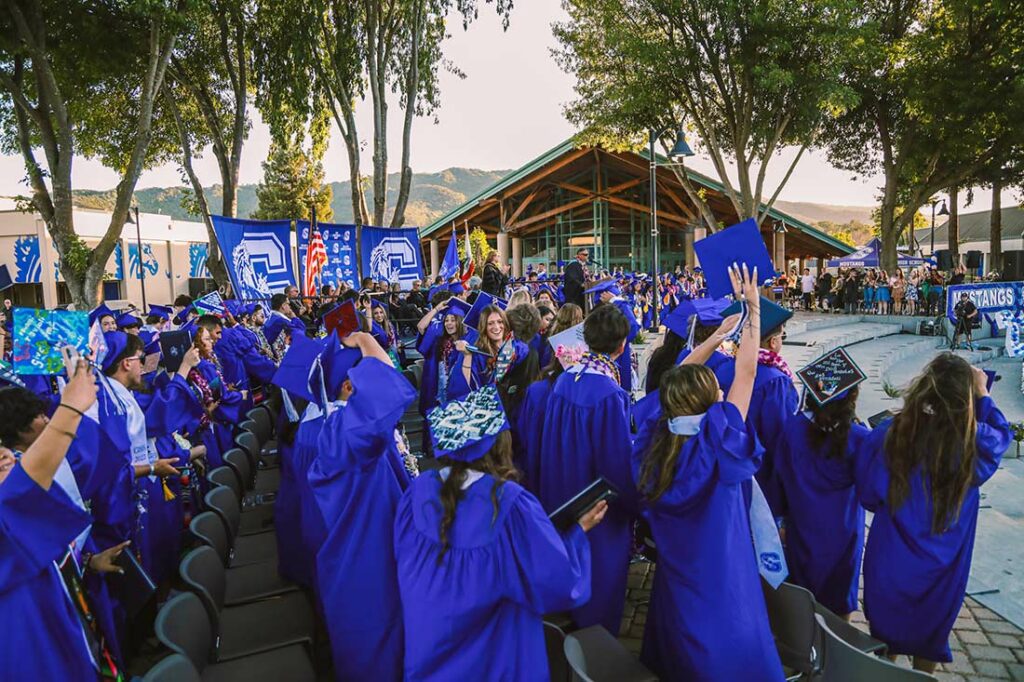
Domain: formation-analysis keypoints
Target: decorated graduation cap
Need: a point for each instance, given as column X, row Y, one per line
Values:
column 738, row 244
column 465, row 430
column 99, row 312
column 173, row 346
column 772, row 316
column 164, row 312
column 831, row 376
column 483, row 300
column 296, row 373
column 342, row 319
column 125, row 320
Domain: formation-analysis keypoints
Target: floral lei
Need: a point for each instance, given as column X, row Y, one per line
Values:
column 769, row 358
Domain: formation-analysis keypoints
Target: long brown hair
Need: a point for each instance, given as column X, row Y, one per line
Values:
column 832, row 422
column 935, row 434
column 684, row 390
column 567, row 317
column 497, row 462
column 484, row 342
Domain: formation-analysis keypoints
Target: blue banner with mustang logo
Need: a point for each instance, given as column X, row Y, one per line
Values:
column 258, row 255
column 392, row 255
column 988, row 297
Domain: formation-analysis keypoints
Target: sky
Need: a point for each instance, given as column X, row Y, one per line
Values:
column 506, row 111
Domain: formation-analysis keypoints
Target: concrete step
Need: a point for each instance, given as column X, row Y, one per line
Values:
column 826, row 339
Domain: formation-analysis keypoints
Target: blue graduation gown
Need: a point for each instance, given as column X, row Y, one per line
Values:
column 625, row 361
column 914, row 581
column 707, row 619
column 300, row 527
column 432, row 366
column 357, row 490
column 42, row 633
column 586, row 430
column 478, row 614
column 219, row 437
column 824, row 519
column 773, row 401
column 648, row 408
column 480, row 374
column 529, row 430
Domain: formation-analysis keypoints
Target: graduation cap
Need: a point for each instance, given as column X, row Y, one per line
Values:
column 116, row 344
column 125, row 320
column 8, row 375
column 336, row 361
column 465, row 430
column 296, row 372
column 772, row 316
column 164, row 312
column 738, row 244
column 457, row 307
column 831, row 376
column 343, row 319
column 99, row 312
column 147, row 337
column 609, row 285
column 173, row 346
column 211, row 304
column 483, row 300
column 5, row 278
column 456, row 288
column 182, row 317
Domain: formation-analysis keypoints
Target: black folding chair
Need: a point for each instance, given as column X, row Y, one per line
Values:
column 252, row 627
column 183, row 627
column 595, row 656
column 251, row 582
column 791, row 616
column 844, row 663
column 252, row 548
column 174, row 668
column 554, row 642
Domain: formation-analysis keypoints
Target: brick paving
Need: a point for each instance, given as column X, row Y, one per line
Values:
column 985, row 646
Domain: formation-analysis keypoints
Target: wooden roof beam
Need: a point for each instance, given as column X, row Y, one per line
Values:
column 545, row 172
column 553, row 212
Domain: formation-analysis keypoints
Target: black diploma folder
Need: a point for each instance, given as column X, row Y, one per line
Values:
column 570, row 512
column 134, row 586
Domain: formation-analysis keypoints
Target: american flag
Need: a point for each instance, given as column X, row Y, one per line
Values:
column 316, row 260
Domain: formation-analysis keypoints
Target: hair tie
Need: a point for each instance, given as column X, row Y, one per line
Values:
column 928, row 409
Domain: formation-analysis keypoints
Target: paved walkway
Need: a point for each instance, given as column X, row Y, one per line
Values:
column 987, row 640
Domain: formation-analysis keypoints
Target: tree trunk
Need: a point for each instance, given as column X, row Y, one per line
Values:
column 953, row 231
column 995, row 235
column 412, row 88
column 890, row 234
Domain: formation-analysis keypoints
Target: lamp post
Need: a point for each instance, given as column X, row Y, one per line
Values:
column 138, row 245
column 679, row 150
column 942, row 211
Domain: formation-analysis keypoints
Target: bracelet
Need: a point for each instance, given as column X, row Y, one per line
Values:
column 152, row 469
column 73, row 409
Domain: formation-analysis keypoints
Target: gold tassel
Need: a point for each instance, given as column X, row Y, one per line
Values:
column 168, row 495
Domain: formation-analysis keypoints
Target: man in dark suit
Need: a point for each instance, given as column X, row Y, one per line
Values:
column 576, row 278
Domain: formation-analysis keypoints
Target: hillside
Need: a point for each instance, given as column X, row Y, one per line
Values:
column 432, row 195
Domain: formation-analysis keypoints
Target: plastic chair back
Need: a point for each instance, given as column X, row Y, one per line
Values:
column 595, row 656
column 554, row 641
column 791, row 616
column 248, row 442
column 844, row 663
column 174, row 668
column 225, row 476
column 240, row 464
column 209, row 530
column 183, row 627
column 203, row 573
column 223, row 502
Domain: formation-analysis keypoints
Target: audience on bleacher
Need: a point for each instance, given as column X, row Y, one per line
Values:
column 448, row 575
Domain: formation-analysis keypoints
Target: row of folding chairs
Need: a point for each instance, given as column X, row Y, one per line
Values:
column 590, row 655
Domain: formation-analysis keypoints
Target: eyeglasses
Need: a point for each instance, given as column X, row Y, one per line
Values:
column 140, row 358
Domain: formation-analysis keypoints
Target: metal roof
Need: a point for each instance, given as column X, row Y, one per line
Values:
column 569, row 145
column 975, row 227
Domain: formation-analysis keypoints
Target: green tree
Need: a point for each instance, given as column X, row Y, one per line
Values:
column 940, row 97
column 315, row 55
column 207, row 104
column 83, row 79
column 293, row 181
column 749, row 76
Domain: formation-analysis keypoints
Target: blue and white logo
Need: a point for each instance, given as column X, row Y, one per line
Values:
column 392, row 255
column 149, row 261
column 258, row 255
column 26, row 260
column 198, row 252
column 336, row 239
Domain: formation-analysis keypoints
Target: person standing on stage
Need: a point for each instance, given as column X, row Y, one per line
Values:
column 576, row 278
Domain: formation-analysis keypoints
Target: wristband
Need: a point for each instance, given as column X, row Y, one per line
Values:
column 152, row 469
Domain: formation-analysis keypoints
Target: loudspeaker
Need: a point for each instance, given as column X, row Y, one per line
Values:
column 1013, row 266
column 944, row 259
column 199, row 286
column 973, row 260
